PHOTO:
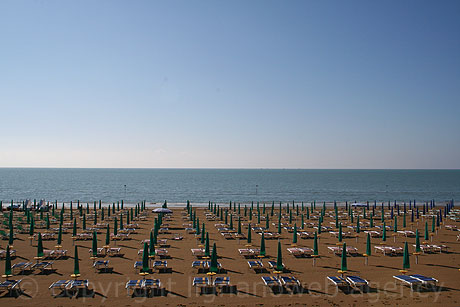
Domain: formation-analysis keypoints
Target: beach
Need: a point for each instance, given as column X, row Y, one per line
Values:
column 109, row 288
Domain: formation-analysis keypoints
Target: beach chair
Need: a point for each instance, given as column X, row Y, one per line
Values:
column 338, row 281
column 357, row 282
column 198, row 252
column 99, row 253
column 45, row 267
column 60, row 285
column 3, row 253
column 115, row 252
column 426, row 281
column 223, row 283
column 256, row 265
column 199, row 264
column 177, row 237
column 137, row 265
column 160, row 265
column 102, row 266
column 58, row 254
column 11, row 286
column 291, row 282
column 408, row 281
column 77, row 285
column 203, row 284
column 21, row 267
column 133, row 285
column 151, row 285
column 162, row 253
column 273, row 283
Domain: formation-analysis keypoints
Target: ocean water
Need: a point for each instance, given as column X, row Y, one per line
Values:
column 224, row 185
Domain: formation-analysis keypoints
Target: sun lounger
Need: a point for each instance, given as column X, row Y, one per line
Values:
column 160, row 265
column 426, row 281
column 272, row 282
column 408, row 280
column 3, row 253
column 407, row 233
column 150, row 284
column 305, row 235
column 43, row 266
column 290, row 282
column 256, row 265
column 114, row 252
column 60, row 285
column 357, row 282
column 198, row 252
column 200, row 281
column 102, row 266
column 76, row 285
column 133, row 285
column 338, row 281
column 162, row 252
column 100, row 252
column 10, row 286
column 373, row 233
column 21, row 267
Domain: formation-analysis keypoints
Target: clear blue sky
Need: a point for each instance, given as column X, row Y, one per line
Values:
column 274, row 84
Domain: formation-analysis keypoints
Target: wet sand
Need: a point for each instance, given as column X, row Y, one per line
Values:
column 110, row 287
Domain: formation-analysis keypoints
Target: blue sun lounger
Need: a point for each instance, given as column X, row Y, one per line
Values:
column 357, row 281
column 22, row 267
column 60, row 284
column 290, row 281
column 200, row 281
column 408, row 280
column 338, row 281
column 426, row 281
column 151, row 284
column 133, row 285
column 102, row 266
column 10, row 285
column 256, row 265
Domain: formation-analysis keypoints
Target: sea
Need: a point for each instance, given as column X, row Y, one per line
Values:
column 200, row 186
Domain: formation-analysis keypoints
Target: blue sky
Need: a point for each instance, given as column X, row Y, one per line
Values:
column 231, row 84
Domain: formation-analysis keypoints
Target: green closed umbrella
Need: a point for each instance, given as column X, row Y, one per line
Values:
column 145, row 260
column 384, row 232
column 239, row 226
column 358, row 228
column 406, row 261
column 59, row 239
column 84, row 221
column 315, row 245
column 395, row 228
column 249, row 238
column 213, row 268
column 115, row 227
column 372, row 221
column 206, row 246
column 279, row 224
column 76, row 266
column 121, row 220
column 267, row 223
column 152, row 246
column 426, row 231
column 343, row 264
column 417, row 242
column 433, row 224
column 404, row 220
column 107, row 237
column 294, row 238
column 279, row 259
column 368, row 245
column 231, row 221
column 94, row 244
column 262, row 245
column 40, row 246
column 11, row 236
column 95, row 217
column 340, row 232
column 8, row 271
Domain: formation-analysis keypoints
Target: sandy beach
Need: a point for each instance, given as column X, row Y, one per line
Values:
column 109, row 288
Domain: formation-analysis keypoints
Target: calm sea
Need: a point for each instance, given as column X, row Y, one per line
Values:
column 224, row 185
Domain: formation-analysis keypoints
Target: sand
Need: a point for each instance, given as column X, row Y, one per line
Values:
column 110, row 287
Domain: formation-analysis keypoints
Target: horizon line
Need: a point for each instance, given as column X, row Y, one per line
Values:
column 219, row 168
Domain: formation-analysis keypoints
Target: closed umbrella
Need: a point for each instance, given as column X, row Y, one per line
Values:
column 145, row 260
column 343, row 263
column 206, row 246
column 213, row 268
column 249, row 238
column 59, row 239
column 8, row 271
column 107, row 237
column 406, row 261
column 262, row 245
column 76, row 266
column 39, row 247
column 294, row 238
column 152, row 246
column 279, row 259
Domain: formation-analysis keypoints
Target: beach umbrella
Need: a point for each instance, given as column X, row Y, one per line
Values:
column 95, row 218
column 249, row 234
column 315, row 245
column 152, row 246
column 231, row 221
column 406, row 262
column 213, row 268
column 303, row 222
column 368, row 245
column 336, row 220
column 358, row 228
column 279, row 259
column 384, row 232
column 426, row 231
column 145, row 260
column 32, row 226
column 71, row 211
column 417, row 242
column 8, row 271
column 115, row 227
column 107, row 237
column 272, row 212
column 279, row 224
column 319, row 226
column 371, row 221
column 343, row 263
column 308, row 214
column 59, row 239
column 39, row 246
column 94, row 244
column 404, row 220
column 294, row 237
column 395, row 226
column 262, row 245
column 290, row 217
column 433, row 224
column 340, row 232
column 267, row 223
column 84, row 221
column 102, row 214
column 206, row 246
column 239, row 225
column 121, row 220
column 47, row 221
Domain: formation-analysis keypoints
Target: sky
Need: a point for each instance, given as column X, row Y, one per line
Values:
column 230, row 84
